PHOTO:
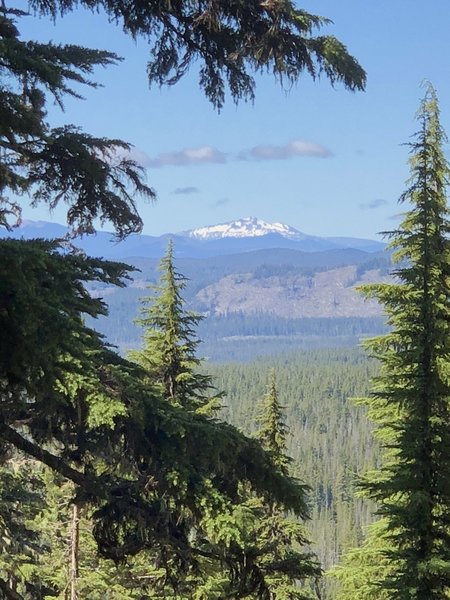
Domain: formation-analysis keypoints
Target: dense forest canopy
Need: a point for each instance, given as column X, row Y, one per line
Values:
column 329, row 438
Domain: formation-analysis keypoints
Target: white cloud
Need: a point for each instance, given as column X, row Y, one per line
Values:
column 188, row 156
column 204, row 155
column 287, row 151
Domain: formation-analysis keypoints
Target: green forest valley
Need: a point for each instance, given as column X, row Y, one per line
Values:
column 313, row 474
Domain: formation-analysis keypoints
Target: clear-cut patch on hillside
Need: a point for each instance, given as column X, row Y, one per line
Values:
column 324, row 294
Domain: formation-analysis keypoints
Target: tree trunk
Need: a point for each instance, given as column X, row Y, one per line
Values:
column 74, row 543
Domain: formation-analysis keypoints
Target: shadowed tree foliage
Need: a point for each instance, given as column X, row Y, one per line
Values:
column 231, row 40
column 148, row 468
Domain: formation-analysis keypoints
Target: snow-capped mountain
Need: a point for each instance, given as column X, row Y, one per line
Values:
column 243, row 228
column 242, row 235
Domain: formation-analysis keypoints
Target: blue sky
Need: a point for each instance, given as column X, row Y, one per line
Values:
column 323, row 160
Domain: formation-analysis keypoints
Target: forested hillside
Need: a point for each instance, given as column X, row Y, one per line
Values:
column 330, row 439
column 261, row 302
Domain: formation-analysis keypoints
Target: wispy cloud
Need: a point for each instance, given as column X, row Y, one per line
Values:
column 373, row 204
column 220, row 202
column 290, row 150
column 184, row 191
column 396, row 217
column 188, row 156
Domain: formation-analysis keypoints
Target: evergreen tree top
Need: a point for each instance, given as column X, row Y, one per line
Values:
column 170, row 343
column 273, row 430
column 429, row 178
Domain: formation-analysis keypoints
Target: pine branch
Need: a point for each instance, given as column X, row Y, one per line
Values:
column 54, row 462
column 8, row 592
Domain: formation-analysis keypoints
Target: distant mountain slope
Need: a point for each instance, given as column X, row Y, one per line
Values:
column 261, row 302
column 358, row 243
column 244, row 235
column 259, row 265
column 290, row 294
column 261, row 294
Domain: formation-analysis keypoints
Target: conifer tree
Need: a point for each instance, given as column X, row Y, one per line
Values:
column 411, row 398
column 230, row 41
column 363, row 569
column 22, row 497
column 273, row 430
column 261, row 548
column 169, row 352
column 287, row 566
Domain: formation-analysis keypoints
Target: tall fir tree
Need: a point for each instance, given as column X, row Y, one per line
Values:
column 290, row 570
column 411, row 398
column 262, row 550
column 239, row 548
column 273, row 430
column 170, row 343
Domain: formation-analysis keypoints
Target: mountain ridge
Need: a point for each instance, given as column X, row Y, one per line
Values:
column 247, row 235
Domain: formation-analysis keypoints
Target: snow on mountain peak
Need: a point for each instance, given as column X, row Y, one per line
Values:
column 247, row 227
